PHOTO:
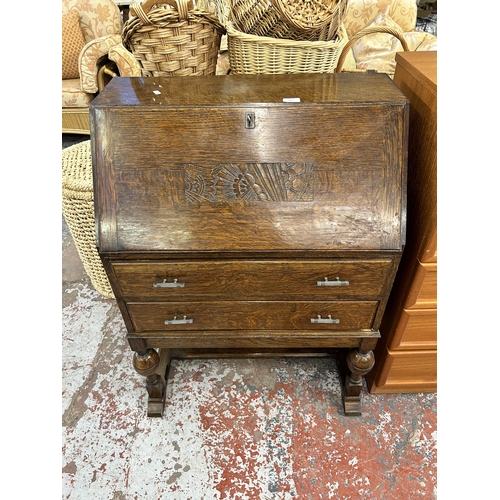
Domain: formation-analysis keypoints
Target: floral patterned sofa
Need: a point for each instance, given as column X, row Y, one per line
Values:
column 89, row 29
column 371, row 52
column 377, row 51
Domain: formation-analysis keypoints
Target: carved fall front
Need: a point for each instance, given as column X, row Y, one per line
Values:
column 249, row 182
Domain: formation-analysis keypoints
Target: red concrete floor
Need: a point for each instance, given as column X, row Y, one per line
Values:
column 263, row 429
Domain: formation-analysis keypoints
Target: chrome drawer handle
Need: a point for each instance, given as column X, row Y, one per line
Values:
column 330, row 320
column 169, row 284
column 337, row 282
column 183, row 321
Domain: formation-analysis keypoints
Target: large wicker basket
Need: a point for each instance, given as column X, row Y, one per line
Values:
column 78, row 211
column 253, row 54
column 260, row 41
column 173, row 39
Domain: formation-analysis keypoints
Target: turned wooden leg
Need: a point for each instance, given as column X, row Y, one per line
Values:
column 148, row 363
column 359, row 362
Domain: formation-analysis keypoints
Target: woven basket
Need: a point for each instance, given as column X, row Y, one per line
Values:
column 251, row 54
column 173, row 39
column 78, row 211
column 370, row 30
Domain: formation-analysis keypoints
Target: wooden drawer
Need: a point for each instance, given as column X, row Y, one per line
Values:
column 251, row 280
column 252, row 315
column 410, row 371
column 423, row 291
column 416, row 329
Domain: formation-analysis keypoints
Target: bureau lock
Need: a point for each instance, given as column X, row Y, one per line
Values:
column 250, row 120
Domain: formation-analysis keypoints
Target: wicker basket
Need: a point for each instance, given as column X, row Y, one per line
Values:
column 370, row 30
column 252, row 54
column 78, row 211
column 173, row 39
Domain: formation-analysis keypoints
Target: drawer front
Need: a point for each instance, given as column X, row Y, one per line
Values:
column 410, row 371
column 190, row 316
column 423, row 293
column 251, row 280
column 417, row 329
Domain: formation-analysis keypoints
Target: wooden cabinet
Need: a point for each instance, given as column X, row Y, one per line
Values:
column 406, row 356
column 251, row 215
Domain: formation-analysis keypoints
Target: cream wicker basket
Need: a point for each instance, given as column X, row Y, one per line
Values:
column 252, row 54
column 260, row 41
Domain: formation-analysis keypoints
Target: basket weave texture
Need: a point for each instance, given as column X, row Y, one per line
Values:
column 251, row 54
column 78, row 211
column 311, row 14
column 168, row 41
column 261, row 18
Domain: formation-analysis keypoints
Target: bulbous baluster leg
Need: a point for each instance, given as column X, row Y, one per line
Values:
column 146, row 363
column 359, row 362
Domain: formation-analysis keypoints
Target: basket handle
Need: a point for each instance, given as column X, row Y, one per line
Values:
column 341, row 10
column 141, row 9
column 398, row 33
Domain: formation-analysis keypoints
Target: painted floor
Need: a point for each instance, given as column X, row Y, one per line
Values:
column 255, row 429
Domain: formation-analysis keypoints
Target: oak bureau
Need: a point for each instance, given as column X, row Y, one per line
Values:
column 251, row 215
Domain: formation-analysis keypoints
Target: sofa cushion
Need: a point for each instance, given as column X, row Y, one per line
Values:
column 361, row 13
column 377, row 51
column 72, row 44
column 73, row 96
column 421, row 41
column 404, row 12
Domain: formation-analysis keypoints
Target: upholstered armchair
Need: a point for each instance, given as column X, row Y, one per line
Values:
column 90, row 28
column 377, row 51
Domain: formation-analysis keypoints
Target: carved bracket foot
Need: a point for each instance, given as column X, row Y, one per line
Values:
column 154, row 367
column 359, row 363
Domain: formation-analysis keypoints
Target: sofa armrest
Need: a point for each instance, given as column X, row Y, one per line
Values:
column 91, row 57
column 125, row 61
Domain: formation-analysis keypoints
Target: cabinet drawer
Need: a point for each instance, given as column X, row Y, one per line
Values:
column 410, row 371
column 251, row 280
column 423, row 292
column 252, row 315
column 416, row 329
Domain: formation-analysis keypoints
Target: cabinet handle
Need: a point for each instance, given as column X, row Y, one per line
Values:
column 182, row 321
column 330, row 320
column 169, row 284
column 336, row 282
